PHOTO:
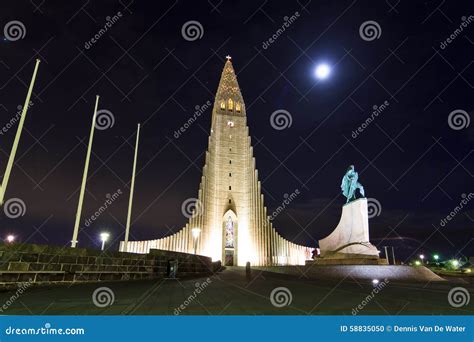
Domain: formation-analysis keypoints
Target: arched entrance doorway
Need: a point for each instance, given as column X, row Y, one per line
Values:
column 229, row 238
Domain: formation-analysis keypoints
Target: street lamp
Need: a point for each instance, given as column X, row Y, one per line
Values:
column 422, row 258
column 322, row 71
column 10, row 238
column 195, row 231
column 436, row 257
column 104, row 237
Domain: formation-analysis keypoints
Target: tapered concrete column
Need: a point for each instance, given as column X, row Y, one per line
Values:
column 178, row 241
column 254, row 206
column 262, row 230
column 259, row 218
column 290, row 253
column 185, row 239
column 256, row 203
column 267, row 237
column 287, row 245
column 282, row 249
column 189, row 238
column 182, row 239
column 278, row 247
column 274, row 245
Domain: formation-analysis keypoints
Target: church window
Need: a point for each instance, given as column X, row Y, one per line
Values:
column 230, row 104
column 230, row 174
column 230, row 161
column 230, row 188
column 223, row 105
column 229, row 233
column 237, row 107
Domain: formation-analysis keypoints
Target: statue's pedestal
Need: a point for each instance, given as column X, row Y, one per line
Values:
column 349, row 242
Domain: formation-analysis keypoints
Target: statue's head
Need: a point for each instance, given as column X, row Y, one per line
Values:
column 350, row 168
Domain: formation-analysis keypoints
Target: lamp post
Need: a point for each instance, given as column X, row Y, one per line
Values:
column 132, row 186
column 11, row 159
column 196, row 232
column 422, row 258
column 104, row 237
column 84, row 178
column 10, row 238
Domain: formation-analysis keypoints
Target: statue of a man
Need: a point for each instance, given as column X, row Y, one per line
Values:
column 350, row 184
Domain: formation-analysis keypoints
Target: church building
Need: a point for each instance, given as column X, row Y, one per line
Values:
column 229, row 221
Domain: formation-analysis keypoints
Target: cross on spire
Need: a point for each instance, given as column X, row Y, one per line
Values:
column 228, row 57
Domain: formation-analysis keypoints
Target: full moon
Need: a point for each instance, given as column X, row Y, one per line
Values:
column 322, row 71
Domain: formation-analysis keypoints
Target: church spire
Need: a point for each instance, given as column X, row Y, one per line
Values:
column 228, row 96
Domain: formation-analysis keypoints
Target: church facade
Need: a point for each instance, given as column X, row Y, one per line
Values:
column 229, row 221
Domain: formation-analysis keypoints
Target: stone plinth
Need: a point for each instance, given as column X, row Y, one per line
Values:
column 338, row 260
column 350, row 239
column 401, row 274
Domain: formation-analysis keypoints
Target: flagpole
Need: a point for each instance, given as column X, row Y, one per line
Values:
column 132, row 186
column 84, row 178
column 11, row 159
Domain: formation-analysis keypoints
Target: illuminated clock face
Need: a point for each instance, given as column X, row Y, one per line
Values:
column 230, row 123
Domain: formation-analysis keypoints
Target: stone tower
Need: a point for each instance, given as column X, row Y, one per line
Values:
column 229, row 221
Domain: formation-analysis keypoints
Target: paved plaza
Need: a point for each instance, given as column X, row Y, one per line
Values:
column 233, row 292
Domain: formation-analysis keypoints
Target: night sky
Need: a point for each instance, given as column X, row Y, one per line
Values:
column 409, row 158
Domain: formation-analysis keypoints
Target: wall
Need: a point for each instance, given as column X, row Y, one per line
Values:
column 44, row 265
